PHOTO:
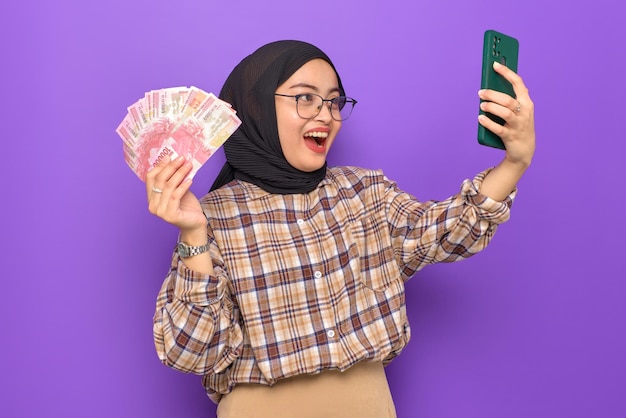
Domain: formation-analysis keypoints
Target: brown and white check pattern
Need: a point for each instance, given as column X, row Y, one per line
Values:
column 313, row 281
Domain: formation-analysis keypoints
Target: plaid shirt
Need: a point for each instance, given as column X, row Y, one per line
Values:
column 308, row 282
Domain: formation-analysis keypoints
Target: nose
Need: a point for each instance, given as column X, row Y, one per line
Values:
column 325, row 112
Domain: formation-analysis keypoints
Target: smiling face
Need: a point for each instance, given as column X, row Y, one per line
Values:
column 306, row 142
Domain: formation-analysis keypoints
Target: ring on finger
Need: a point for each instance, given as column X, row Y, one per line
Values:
column 518, row 108
column 156, row 190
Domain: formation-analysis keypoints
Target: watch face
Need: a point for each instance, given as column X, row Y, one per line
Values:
column 186, row 250
column 182, row 250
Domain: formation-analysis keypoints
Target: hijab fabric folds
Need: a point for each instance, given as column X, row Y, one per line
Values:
column 253, row 152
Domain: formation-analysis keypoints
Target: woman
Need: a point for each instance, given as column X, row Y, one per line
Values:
column 286, row 291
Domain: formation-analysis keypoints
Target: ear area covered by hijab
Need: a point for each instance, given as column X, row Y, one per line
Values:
column 253, row 152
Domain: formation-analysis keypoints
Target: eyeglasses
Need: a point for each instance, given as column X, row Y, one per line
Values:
column 310, row 105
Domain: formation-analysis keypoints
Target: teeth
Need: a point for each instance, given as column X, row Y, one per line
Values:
column 317, row 134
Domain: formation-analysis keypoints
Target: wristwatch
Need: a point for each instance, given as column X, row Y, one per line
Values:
column 186, row 250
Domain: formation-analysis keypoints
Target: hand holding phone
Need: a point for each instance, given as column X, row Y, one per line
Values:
column 497, row 47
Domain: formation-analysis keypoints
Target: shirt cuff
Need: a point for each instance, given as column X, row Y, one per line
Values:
column 199, row 288
column 488, row 208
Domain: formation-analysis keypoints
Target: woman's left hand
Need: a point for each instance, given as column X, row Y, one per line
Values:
column 518, row 131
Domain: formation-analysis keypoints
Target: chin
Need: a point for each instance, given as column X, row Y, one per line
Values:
column 308, row 163
column 317, row 164
column 310, row 168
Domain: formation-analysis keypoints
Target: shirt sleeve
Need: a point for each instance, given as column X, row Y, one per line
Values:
column 443, row 231
column 196, row 324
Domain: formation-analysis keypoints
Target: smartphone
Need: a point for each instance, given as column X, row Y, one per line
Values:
column 505, row 50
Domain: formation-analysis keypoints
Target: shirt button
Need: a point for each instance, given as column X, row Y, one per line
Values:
column 330, row 333
column 300, row 221
column 317, row 274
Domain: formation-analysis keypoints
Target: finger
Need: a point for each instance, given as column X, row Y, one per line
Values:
column 154, row 176
column 494, row 127
column 183, row 188
column 499, row 99
column 503, row 112
column 512, row 77
column 162, row 177
column 154, row 197
column 177, row 183
column 150, row 177
column 156, row 182
column 175, row 187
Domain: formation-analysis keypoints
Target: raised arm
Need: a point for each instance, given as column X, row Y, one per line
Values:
column 196, row 323
column 517, row 133
column 170, row 199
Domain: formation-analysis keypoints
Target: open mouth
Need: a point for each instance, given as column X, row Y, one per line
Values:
column 316, row 139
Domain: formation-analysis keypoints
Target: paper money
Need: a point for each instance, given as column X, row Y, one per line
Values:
column 175, row 121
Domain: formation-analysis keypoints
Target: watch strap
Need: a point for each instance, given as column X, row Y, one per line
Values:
column 185, row 250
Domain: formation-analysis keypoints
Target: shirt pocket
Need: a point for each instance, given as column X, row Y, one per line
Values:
column 377, row 264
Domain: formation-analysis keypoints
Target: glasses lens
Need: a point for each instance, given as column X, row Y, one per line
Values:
column 342, row 107
column 309, row 105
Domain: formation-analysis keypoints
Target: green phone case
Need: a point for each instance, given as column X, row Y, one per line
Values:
column 504, row 49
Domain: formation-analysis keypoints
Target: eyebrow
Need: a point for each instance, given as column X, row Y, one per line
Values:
column 312, row 87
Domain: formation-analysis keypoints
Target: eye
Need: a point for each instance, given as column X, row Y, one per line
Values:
column 338, row 102
column 306, row 98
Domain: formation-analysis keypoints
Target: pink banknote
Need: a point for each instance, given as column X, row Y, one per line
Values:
column 175, row 121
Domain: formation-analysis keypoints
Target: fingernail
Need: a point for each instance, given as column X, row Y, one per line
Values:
column 496, row 64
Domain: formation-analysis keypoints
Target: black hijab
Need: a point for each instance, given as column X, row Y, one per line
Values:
column 253, row 152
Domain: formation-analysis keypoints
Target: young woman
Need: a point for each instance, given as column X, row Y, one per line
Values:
column 286, row 291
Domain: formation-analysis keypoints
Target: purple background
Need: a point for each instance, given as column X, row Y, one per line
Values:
column 533, row 326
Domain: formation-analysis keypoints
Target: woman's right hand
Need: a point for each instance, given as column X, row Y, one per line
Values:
column 169, row 196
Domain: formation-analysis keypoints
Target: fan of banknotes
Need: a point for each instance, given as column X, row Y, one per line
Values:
column 175, row 121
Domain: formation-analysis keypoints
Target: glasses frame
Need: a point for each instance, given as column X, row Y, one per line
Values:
column 330, row 102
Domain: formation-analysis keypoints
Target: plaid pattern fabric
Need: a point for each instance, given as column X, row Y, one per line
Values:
column 310, row 282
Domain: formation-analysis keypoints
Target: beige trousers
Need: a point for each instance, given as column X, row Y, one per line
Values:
column 361, row 391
